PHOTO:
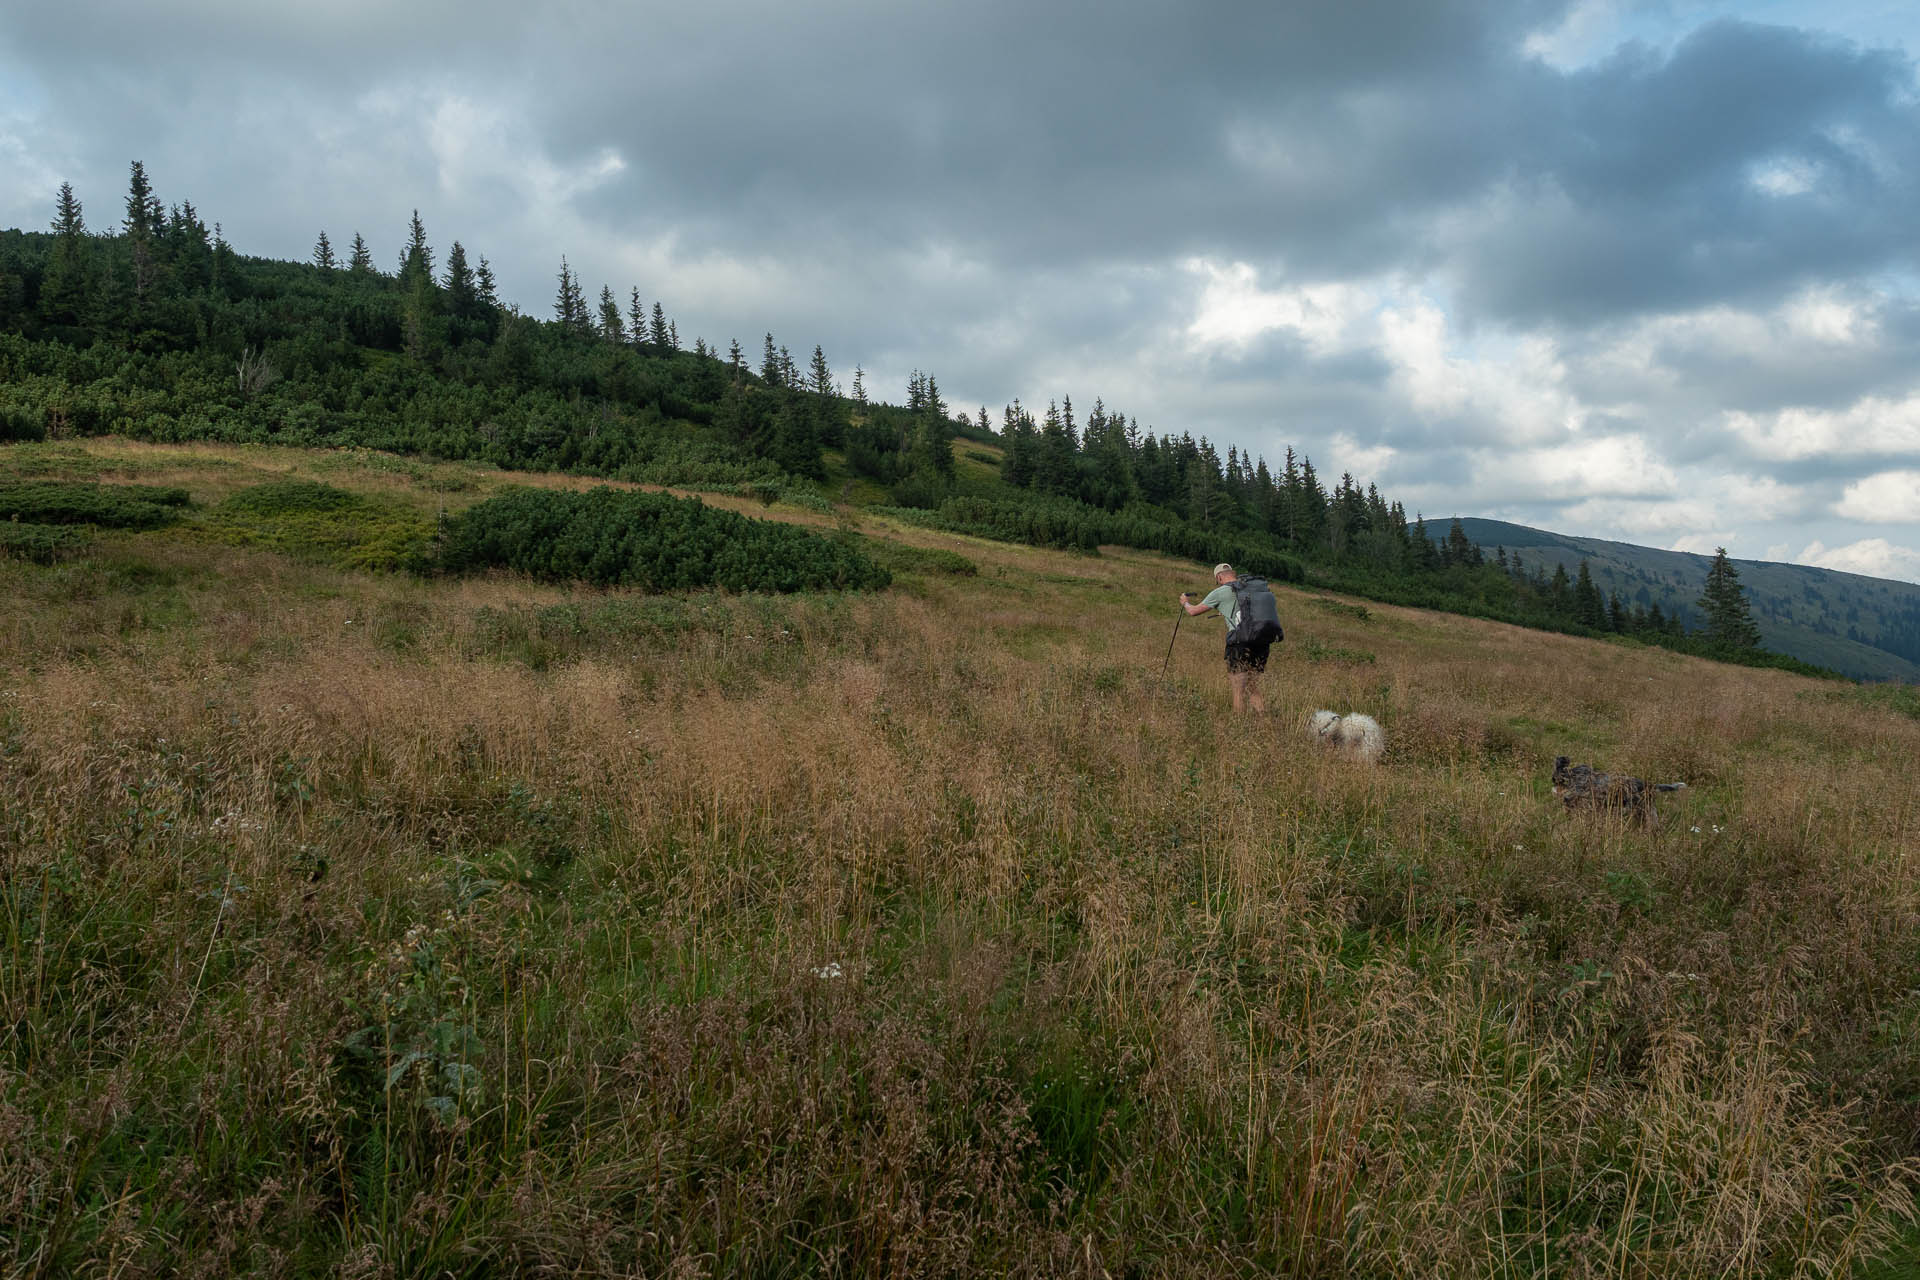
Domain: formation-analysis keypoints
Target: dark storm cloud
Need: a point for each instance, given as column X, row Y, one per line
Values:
column 1323, row 138
column 1642, row 186
column 1017, row 195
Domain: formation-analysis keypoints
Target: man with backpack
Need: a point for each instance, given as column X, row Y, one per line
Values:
column 1253, row 624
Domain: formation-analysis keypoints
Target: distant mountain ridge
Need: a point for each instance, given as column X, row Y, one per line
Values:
column 1868, row 628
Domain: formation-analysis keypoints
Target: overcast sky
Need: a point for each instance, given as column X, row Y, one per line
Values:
column 1634, row 270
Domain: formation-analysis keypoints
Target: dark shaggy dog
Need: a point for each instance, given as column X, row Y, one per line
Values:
column 1580, row 786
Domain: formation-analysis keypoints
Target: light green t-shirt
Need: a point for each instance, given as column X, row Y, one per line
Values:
column 1223, row 599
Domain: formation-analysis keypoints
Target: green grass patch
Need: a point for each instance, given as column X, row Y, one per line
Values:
column 322, row 524
column 900, row 558
column 1902, row 1264
column 1336, row 654
column 1901, row 698
column 1340, row 608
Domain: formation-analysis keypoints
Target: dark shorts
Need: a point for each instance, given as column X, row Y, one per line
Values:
column 1247, row 657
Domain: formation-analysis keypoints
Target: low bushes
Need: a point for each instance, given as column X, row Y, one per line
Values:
column 654, row 541
column 40, row 543
column 117, row 506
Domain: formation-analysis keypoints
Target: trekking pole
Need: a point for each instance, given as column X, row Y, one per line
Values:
column 1176, row 636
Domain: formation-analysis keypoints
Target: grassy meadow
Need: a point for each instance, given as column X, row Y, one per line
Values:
column 359, row 924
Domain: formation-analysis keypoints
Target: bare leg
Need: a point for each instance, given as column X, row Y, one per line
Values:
column 1254, row 696
column 1237, row 681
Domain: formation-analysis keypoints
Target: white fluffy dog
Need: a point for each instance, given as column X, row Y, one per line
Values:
column 1356, row 736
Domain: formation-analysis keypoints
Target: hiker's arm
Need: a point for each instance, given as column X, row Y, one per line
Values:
column 1193, row 610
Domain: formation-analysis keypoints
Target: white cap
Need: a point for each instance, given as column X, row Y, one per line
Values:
column 1222, row 568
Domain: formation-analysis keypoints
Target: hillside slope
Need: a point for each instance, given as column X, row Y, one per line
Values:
column 1868, row 628
column 163, row 332
column 361, row 922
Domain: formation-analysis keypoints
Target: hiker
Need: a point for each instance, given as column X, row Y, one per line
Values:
column 1246, row 655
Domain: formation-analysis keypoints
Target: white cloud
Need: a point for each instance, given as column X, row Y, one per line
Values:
column 1620, row 467
column 1872, row 425
column 1589, row 28
column 1827, row 315
column 1783, row 176
column 1875, row 557
column 1646, row 358
column 1234, row 309
column 1692, row 503
column 1891, row 497
column 1514, row 387
column 1351, row 455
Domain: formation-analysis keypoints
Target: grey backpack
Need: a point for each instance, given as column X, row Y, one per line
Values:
column 1259, row 612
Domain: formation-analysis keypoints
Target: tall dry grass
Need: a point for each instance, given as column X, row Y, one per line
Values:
column 372, row 927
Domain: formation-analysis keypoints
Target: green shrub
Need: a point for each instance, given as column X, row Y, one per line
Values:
column 287, row 497
column 120, row 506
column 654, row 541
column 40, row 543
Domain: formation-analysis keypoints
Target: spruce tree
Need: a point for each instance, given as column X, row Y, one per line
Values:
column 459, row 283
column 1460, row 548
column 416, row 259
column 1019, row 462
column 1206, row 491
column 657, row 332
column 1588, row 607
column 139, row 222
column 636, row 318
column 770, row 364
column 360, row 258
column 936, row 408
column 63, row 290
column 793, row 445
column 223, row 256
column 829, row 420
column 1560, row 589
column 323, row 254
column 819, row 377
column 483, row 287
column 566, row 300
column 612, row 328
column 1053, row 469
column 1425, row 558
column 141, row 226
column 1729, row 617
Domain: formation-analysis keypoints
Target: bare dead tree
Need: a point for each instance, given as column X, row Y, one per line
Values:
column 256, row 372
